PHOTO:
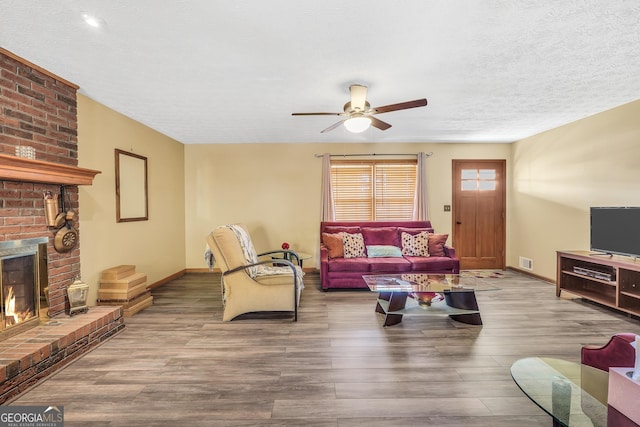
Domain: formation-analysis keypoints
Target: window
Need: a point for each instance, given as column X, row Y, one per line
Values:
column 376, row 190
column 478, row 179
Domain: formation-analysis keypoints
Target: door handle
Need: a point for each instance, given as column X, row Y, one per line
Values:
column 458, row 222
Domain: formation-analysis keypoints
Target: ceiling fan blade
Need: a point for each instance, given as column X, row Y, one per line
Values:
column 358, row 97
column 377, row 123
column 332, row 127
column 401, row 106
column 317, row 114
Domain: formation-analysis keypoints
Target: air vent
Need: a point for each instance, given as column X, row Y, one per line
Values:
column 526, row 263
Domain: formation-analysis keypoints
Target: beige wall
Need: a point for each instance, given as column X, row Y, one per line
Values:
column 275, row 189
column 156, row 246
column 554, row 178
column 558, row 175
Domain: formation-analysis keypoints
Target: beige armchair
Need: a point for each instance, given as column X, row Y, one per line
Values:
column 248, row 283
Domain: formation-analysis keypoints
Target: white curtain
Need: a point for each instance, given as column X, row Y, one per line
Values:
column 328, row 212
column 421, row 201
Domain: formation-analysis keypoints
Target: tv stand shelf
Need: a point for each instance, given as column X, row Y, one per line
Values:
column 611, row 280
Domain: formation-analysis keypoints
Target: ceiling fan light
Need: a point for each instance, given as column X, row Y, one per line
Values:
column 357, row 124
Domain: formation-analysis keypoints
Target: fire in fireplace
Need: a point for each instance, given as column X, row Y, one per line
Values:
column 22, row 265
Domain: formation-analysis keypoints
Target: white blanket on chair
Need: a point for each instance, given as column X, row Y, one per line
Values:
column 208, row 257
column 251, row 257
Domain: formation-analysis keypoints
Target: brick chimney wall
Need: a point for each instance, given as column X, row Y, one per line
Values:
column 39, row 110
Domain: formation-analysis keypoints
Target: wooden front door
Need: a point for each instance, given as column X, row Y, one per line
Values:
column 479, row 199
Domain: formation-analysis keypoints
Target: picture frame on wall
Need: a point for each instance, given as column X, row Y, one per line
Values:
column 132, row 202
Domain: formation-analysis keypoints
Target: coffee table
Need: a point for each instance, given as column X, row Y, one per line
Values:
column 554, row 385
column 424, row 294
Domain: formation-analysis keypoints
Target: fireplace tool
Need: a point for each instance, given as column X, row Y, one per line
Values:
column 66, row 237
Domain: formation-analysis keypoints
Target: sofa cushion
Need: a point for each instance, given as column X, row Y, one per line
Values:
column 349, row 265
column 389, row 265
column 413, row 231
column 353, row 245
column 415, row 245
column 380, row 236
column 377, row 251
column 342, row 229
column 436, row 244
column 333, row 242
column 431, row 264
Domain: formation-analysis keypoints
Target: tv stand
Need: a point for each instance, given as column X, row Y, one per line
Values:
column 613, row 282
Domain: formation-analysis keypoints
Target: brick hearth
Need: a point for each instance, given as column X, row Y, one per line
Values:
column 29, row 357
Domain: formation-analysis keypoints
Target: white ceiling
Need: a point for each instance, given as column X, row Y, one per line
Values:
column 214, row 71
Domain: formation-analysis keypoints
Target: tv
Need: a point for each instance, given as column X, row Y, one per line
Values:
column 616, row 230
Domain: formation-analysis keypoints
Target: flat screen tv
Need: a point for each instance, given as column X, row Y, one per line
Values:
column 616, row 230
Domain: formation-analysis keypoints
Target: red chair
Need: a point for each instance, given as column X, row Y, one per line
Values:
column 596, row 361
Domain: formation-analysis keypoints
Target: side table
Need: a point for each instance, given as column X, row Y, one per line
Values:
column 301, row 257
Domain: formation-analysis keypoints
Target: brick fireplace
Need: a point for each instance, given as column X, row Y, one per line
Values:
column 37, row 110
column 38, row 117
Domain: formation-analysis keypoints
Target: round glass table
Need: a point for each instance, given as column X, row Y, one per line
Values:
column 554, row 385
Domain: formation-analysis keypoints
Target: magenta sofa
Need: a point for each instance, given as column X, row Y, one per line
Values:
column 341, row 273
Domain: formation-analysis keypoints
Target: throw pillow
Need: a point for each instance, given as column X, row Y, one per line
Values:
column 334, row 245
column 380, row 236
column 353, row 245
column 436, row 244
column 377, row 251
column 415, row 245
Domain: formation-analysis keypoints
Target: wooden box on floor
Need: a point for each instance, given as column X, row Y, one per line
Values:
column 124, row 287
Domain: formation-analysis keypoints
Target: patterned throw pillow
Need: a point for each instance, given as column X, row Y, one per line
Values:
column 353, row 245
column 415, row 245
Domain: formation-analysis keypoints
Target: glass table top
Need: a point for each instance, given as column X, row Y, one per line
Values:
column 421, row 282
column 554, row 385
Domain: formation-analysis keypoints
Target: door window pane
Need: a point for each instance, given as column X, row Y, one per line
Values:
column 469, row 173
column 487, row 174
column 486, row 185
column 469, row 185
column 478, row 179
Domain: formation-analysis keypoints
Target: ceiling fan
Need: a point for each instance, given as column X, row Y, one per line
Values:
column 358, row 114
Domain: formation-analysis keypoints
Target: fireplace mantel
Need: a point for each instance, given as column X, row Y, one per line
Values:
column 14, row 168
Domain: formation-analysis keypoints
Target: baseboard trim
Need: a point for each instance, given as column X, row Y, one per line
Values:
column 167, row 279
column 202, row 270
column 530, row 274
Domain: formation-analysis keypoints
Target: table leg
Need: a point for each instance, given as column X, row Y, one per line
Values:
column 465, row 301
column 397, row 301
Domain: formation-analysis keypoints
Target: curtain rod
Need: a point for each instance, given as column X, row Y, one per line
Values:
column 370, row 154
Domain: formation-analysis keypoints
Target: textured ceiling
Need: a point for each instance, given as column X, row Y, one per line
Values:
column 207, row 71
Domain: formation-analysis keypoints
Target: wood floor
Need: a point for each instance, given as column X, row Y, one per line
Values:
column 177, row 364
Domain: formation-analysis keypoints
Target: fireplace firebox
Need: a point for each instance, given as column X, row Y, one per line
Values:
column 23, row 277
